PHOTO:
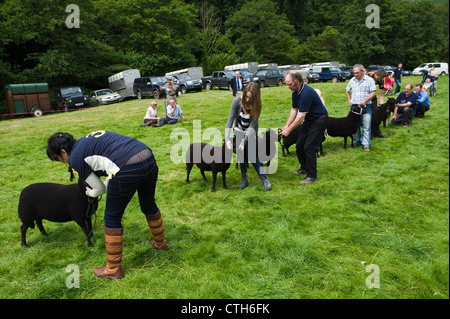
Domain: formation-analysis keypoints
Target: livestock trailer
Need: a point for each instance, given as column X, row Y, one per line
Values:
column 251, row 67
column 122, row 82
column 31, row 98
column 194, row 72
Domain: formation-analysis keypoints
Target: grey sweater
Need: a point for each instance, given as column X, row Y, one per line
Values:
column 234, row 118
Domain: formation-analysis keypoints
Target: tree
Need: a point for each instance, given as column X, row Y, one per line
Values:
column 260, row 33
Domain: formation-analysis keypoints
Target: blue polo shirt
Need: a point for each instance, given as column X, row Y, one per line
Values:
column 402, row 99
column 103, row 153
column 308, row 101
column 422, row 97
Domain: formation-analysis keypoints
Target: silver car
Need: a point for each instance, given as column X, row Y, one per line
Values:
column 104, row 96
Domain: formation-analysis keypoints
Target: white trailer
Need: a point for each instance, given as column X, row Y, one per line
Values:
column 251, row 67
column 194, row 72
column 122, row 82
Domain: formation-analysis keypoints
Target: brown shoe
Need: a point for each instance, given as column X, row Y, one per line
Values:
column 113, row 243
column 366, row 149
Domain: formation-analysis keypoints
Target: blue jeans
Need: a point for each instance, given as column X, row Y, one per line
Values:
column 140, row 177
column 365, row 122
column 398, row 86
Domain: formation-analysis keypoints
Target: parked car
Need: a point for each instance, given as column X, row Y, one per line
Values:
column 332, row 73
column 375, row 67
column 441, row 67
column 348, row 69
column 265, row 77
column 149, row 86
column 71, row 97
column 246, row 75
column 220, row 79
column 186, row 83
column 104, row 96
column 312, row 77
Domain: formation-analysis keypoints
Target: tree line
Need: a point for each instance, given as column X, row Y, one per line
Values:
column 159, row 36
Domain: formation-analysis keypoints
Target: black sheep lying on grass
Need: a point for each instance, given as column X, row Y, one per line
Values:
column 56, row 203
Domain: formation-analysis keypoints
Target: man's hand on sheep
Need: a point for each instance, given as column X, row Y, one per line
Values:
column 88, row 191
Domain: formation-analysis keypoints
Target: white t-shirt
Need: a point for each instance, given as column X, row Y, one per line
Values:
column 152, row 112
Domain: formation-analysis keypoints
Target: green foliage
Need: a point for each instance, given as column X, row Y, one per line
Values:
column 389, row 207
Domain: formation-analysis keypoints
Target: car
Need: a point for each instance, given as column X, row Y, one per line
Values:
column 186, row 83
column 441, row 67
column 104, row 96
column 246, row 75
column 220, row 79
column 330, row 73
column 375, row 67
column 265, row 77
column 312, row 77
column 150, row 86
column 348, row 69
column 71, row 97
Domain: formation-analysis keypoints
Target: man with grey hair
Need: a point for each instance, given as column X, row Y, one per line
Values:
column 363, row 90
column 307, row 108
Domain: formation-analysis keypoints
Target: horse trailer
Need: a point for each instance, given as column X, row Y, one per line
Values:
column 31, row 98
column 122, row 82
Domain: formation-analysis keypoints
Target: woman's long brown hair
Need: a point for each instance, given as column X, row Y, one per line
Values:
column 255, row 102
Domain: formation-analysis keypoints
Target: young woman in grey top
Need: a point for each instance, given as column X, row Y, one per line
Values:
column 244, row 114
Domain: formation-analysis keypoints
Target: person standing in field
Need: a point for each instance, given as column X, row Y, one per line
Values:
column 307, row 108
column 130, row 167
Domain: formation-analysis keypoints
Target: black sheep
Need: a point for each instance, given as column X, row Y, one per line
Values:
column 343, row 127
column 381, row 113
column 292, row 138
column 267, row 140
column 219, row 159
column 56, row 203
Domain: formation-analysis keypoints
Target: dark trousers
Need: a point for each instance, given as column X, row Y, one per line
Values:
column 421, row 109
column 140, row 177
column 166, row 120
column 310, row 137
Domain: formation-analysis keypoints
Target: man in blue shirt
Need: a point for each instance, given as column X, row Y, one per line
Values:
column 405, row 107
column 174, row 113
column 363, row 90
column 398, row 78
column 308, row 111
column 423, row 102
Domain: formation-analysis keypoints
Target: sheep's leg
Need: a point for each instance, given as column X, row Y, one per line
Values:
column 188, row 169
column 345, row 142
column 203, row 174
column 41, row 228
column 23, row 232
column 86, row 231
column 224, row 179
column 213, row 189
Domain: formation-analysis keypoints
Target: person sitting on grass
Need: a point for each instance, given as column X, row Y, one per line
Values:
column 151, row 117
column 405, row 107
column 174, row 113
column 423, row 102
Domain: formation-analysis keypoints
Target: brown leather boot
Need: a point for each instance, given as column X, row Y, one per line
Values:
column 156, row 227
column 113, row 243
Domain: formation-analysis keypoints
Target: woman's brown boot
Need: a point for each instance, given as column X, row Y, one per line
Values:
column 113, row 243
column 156, row 227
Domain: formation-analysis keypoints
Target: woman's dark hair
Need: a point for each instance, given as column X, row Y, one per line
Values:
column 57, row 142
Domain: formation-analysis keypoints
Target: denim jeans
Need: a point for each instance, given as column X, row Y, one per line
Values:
column 140, row 177
column 365, row 123
column 398, row 86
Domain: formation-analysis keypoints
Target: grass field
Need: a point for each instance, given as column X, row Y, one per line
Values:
column 388, row 208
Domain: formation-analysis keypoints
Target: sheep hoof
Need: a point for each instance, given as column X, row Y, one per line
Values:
column 213, row 190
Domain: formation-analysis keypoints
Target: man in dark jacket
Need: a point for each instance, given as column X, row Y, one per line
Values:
column 398, row 78
column 237, row 83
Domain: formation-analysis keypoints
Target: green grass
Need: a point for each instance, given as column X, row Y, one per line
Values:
column 388, row 207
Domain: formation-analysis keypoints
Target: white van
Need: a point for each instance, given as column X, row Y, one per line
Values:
column 441, row 67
